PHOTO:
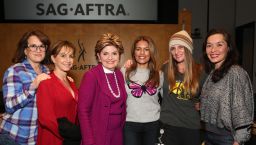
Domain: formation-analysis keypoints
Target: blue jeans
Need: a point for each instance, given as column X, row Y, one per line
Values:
column 141, row 133
column 217, row 139
column 5, row 139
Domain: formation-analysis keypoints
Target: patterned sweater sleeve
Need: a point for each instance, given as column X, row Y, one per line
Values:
column 242, row 105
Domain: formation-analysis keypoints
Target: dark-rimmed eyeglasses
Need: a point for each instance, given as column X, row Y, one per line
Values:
column 34, row 47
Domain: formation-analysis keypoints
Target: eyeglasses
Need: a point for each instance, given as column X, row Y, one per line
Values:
column 34, row 47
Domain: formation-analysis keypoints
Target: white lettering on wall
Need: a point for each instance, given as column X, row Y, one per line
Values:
column 80, row 9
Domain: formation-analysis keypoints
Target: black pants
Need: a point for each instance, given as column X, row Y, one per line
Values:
column 180, row 136
column 141, row 133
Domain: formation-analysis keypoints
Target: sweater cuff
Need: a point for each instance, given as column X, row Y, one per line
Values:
column 242, row 135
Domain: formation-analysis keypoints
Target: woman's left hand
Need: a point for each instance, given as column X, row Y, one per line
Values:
column 197, row 106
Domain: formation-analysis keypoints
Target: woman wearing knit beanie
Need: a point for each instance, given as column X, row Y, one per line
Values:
column 180, row 105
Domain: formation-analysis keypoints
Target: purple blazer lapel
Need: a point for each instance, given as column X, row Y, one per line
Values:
column 102, row 80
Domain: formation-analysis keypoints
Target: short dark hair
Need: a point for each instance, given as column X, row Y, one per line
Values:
column 56, row 48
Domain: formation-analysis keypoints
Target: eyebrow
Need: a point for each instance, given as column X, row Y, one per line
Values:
column 216, row 42
column 141, row 47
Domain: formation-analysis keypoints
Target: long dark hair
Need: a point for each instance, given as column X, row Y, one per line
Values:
column 19, row 55
column 231, row 58
column 152, row 66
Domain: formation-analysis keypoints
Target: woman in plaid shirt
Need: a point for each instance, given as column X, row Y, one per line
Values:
column 19, row 125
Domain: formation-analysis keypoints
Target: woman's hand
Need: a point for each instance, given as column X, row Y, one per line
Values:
column 197, row 106
column 70, row 79
column 128, row 63
column 38, row 79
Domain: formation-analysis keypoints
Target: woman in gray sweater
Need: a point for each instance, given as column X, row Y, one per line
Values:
column 143, row 83
column 227, row 95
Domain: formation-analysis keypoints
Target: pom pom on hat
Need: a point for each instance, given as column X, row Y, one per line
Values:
column 182, row 38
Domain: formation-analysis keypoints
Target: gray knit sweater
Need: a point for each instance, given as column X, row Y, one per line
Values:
column 145, row 108
column 229, row 103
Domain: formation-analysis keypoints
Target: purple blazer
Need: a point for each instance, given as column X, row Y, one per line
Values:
column 94, row 105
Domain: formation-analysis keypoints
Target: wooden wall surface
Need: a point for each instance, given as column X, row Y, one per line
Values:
column 86, row 34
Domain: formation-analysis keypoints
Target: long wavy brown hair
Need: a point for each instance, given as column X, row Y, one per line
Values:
column 191, row 76
column 152, row 66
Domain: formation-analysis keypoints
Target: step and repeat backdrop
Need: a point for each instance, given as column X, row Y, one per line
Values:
column 58, row 22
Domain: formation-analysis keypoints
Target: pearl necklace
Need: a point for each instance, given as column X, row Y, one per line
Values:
column 109, row 86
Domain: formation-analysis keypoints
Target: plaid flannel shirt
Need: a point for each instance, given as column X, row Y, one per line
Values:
column 20, row 118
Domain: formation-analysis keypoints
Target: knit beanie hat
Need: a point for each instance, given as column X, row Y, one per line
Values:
column 182, row 38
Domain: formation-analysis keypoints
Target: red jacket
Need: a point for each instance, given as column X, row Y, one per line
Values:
column 54, row 101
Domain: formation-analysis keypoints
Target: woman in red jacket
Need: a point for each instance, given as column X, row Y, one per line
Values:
column 57, row 99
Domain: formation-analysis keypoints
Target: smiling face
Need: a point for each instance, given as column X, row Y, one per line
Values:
column 178, row 53
column 64, row 60
column 37, row 56
column 109, row 57
column 216, row 49
column 142, row 53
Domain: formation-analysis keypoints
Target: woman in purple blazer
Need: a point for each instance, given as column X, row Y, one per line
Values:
column 102, row 96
